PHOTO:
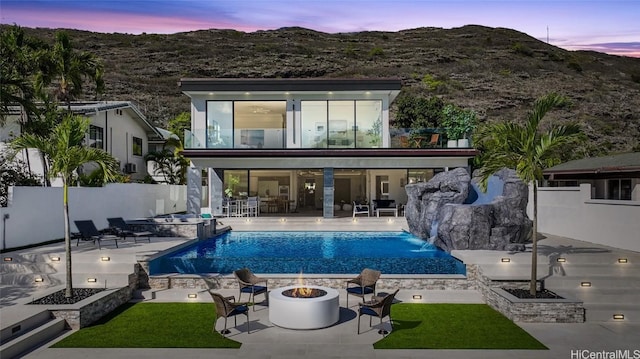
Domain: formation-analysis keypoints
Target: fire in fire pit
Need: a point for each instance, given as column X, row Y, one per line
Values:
column 304, row 292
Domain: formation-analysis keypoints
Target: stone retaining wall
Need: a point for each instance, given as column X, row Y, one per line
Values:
column 86, row 312
column 170, row 227
column 535, row 310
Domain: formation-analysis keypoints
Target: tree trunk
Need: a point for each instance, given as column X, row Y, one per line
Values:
column 67, row 238
column 534, row 240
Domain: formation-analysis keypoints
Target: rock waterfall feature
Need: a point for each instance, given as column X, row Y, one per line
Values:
column 453, row 213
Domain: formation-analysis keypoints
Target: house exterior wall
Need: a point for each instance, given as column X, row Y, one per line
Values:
column 36, row 216
column 570, row 212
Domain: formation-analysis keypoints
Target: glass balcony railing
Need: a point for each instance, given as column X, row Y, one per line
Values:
column 276, row 138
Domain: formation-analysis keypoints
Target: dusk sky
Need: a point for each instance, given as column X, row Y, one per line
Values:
column 607, row 26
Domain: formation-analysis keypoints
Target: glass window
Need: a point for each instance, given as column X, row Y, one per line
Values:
column 313, row 116
column 368, row 124
column 341, row 124
column 96, row 137
column 236, row 183
column 619, row 189
column 420, row 175
column 137, row 146
column 219, row 124
column 260, row 124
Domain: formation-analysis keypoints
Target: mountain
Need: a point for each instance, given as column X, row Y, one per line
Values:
column 497, row 72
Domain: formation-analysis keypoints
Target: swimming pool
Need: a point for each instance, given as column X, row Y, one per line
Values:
column 309, row 252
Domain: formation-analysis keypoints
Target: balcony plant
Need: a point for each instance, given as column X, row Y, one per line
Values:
column 458, row 123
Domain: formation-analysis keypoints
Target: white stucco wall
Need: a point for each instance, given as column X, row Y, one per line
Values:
column 570, row 212
column 36, row 216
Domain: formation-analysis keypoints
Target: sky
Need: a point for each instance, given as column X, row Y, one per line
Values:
column 611, row 26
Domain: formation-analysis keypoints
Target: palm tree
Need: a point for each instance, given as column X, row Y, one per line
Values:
column 69, row 68
column 66, row 153
column 528, row 150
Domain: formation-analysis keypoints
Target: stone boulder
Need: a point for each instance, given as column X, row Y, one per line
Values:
column 461, row 216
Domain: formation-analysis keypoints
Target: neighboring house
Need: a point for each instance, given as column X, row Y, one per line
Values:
column 313, row 144
column 117, row 127
column 614, row 177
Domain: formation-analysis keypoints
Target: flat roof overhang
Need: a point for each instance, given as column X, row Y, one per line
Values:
column 188, row 85
column 336, row 158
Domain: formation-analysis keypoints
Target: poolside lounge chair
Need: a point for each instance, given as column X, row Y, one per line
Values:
column 225, row 309
column 363, row 284
column 248, row 283
column 120, row 228
column 378, row 307
column 89, row 232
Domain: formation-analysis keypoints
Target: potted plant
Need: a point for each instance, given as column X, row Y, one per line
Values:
column 232, row 182
column 458, row 123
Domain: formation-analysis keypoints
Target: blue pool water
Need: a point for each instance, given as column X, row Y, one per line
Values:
column 310, row 252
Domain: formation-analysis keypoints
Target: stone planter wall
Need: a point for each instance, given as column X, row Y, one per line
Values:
column 535, row 310
column 86, row 312
column 170, row 227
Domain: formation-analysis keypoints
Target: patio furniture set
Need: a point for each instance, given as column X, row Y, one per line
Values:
column 303, row 307
column 379, row 206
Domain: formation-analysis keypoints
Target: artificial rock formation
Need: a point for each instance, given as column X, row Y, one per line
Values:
column 452, row 213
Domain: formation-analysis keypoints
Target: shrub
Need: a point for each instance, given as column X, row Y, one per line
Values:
column 519, row 48
column 574, row 66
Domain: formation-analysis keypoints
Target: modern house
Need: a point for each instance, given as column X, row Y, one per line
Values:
column 315, row 145
column 615, row 177
column 117, row 127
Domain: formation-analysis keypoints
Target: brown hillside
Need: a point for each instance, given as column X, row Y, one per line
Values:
column 495, row 71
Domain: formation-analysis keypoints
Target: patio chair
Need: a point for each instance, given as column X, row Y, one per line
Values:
column 225, row 309
column 120, row 228
column 89, row 232
column 378, row 307
column 248, row 283
column 363, row 284
column 360, row 209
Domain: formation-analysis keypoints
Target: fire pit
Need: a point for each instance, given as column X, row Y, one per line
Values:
column 304, row 307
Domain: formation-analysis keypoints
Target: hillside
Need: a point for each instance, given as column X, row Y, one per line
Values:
column 495, row 71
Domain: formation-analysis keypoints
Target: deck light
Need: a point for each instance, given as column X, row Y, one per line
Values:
column 55, row 259
column 92, row 280
column 7, row 259
column 618, row 316
column 105, row 259
column 355, row 220
column 390, row 220
column 585, row 284
column 417, row 296
column 561, row 260
column 318, row 220
column 39, row 280
column 192, row 295
column 283, row 219
column 248, row 220
column 622, row 260
column 505, row 260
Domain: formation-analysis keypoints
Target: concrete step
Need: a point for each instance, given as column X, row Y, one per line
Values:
column 615, row 269
column 604, row 312
column 596, row 282
column 31, row 333
column 600, row 296
column 36, row 280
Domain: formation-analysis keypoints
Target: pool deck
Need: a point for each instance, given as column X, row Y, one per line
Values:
column 340, row 340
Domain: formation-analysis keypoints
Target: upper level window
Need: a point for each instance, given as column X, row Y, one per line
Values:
column 96, row 135
column 137, row 146
column 341, row 124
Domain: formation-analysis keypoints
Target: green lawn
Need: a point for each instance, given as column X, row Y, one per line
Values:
column 153, row 325
column 453, row 326
column 416, row 326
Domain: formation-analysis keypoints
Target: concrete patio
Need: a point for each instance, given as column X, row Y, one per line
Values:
column 614, row 288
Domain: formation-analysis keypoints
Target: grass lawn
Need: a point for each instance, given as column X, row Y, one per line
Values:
column 453, row 326
column 153, row 325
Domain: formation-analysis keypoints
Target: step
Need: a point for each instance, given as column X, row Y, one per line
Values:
column 596, row 282
column 614, row 269
column 604, row 312
column 31, row 339
column 612, row 296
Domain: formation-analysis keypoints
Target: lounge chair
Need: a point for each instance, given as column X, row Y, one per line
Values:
column 225, row 309
column 363, row 284
column 360, row 209
column 248, row 283
column 378, row 307
column 120, row 228
column 89, row 232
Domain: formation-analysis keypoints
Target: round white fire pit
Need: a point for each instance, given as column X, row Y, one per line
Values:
column 318, row 311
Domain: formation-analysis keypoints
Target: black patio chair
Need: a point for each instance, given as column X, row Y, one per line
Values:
column 120, row 228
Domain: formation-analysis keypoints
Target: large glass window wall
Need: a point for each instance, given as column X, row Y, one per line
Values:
column 219, row 131
column 341, row 124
